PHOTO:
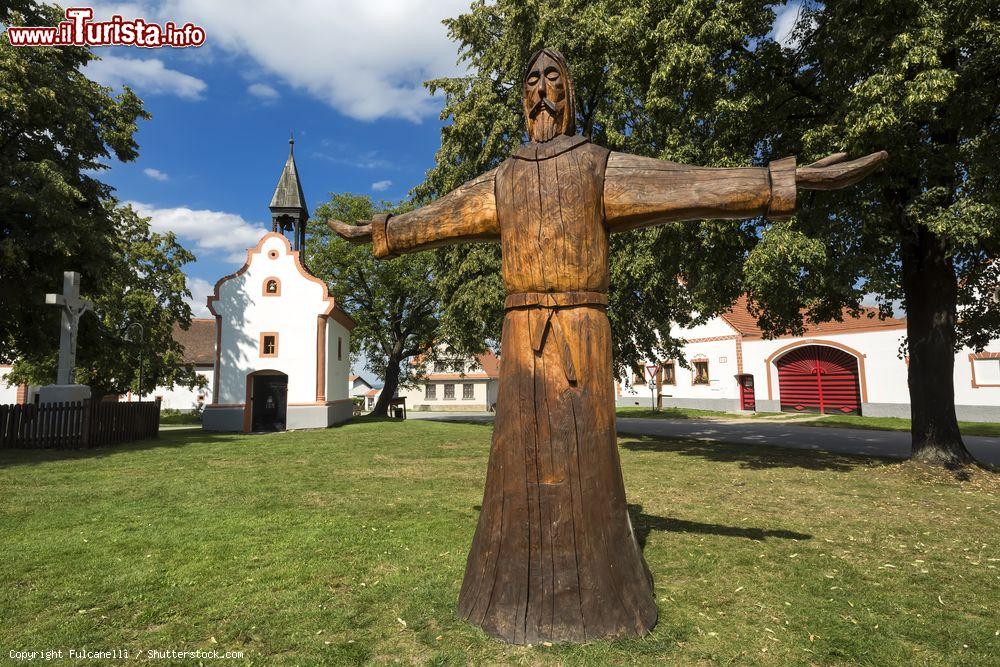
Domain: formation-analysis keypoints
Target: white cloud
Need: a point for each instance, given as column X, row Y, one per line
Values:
column 155, row 174
column 147, row 76
column 367, row 59
column 263, row 91
column 218, row 232
column 784, row 24
column 379, row 186
column 200, row 289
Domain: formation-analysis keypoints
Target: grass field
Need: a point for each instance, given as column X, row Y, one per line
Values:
column 171, row 417
column 844, row 421
column 348, row 545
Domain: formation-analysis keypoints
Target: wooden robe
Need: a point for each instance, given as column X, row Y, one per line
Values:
column 554, row 557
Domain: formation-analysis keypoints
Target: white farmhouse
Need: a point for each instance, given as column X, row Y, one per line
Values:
column 282, row 342
column 455, row 384
column 847, row 367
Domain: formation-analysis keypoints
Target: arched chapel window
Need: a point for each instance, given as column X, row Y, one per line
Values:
column 272, row 287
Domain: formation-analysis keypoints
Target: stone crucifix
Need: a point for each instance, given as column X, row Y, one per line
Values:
column 72, row 308
column 554, row 557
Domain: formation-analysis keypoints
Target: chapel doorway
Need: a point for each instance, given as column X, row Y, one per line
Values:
column 267, row 401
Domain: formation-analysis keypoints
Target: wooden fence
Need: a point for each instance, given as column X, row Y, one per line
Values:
column 78, row 424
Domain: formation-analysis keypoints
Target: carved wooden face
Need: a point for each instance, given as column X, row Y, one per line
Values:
column 546, row 92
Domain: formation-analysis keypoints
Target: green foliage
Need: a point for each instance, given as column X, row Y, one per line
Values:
column 688, row 80
column 909, row 77
column 57, row 129
column 394, row 302
column 144, row 284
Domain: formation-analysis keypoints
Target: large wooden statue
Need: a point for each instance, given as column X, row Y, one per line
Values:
column 554, row 557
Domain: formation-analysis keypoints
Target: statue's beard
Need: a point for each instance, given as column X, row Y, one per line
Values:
column 546, row 122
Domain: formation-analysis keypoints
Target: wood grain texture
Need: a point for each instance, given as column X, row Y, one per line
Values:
column 466, row 214
column 642, row 191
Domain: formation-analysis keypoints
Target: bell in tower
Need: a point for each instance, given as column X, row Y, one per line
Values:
column 288, row 205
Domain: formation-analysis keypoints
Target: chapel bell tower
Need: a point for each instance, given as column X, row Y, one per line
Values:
column 288, row 205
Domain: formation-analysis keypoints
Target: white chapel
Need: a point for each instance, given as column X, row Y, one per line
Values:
column 282, row 349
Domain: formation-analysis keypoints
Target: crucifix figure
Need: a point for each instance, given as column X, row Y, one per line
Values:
column 554, row 557
column 72, row 308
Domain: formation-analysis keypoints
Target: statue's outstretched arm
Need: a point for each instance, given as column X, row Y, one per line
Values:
column 641, row 191
column 468, row 213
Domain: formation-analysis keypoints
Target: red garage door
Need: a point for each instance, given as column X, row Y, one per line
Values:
column 816, row 378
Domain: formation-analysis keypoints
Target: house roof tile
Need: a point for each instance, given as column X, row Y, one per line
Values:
column 740, row 318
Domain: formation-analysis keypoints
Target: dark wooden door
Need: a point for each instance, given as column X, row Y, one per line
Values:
column 270, row 402
column 820, row 379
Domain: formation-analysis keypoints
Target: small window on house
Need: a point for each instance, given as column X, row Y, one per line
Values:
column 700, row 375
column 449, row 392
column 669, row 374
column 468, row 392
column 638, row 375
column 272, row 287
column 340, row 348
column 269, row 345
column 430, row 392
column 440, row 367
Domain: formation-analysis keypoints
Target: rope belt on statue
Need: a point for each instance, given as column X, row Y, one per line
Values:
column 543, row 315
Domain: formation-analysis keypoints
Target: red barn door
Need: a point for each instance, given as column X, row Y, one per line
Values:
column 816, row 378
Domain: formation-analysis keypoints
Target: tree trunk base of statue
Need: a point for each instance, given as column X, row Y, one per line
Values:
column 517, row 624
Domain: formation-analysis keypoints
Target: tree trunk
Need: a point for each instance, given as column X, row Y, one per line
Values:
column 389, row 389
column 931, row 290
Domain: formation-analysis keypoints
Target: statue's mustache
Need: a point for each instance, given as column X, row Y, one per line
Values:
column 543, row 103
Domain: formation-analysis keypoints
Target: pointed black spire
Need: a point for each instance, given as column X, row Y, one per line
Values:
column 288, row 194
column 288, row 205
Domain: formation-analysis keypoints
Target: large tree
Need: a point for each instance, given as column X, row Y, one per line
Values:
column 394, row 303
column 58, row 131
column 913, row 77
column 145, row 286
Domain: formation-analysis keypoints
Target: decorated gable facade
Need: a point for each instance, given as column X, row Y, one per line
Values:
column 282, row 349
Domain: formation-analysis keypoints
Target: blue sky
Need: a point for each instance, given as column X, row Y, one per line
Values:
column 345, row 75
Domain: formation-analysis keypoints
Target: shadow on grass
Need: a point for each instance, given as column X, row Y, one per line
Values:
column 169, row 438
column 166, row 438
column 644, row 524
column 754, row 457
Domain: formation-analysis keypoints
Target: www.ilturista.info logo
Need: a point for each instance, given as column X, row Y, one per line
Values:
column 80, row 30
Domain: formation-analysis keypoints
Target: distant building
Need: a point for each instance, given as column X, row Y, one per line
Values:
column 370, row 399
column 282, row 342
column 357, row 385
column 283, row 346
column 848, row 367
column 455, row 384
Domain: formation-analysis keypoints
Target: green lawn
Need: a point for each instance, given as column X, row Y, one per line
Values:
column 844, row 421
column 177, row 417
column 348, row 545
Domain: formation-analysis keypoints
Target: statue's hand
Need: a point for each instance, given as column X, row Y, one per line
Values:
column 833, row 173
column 360, row 233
